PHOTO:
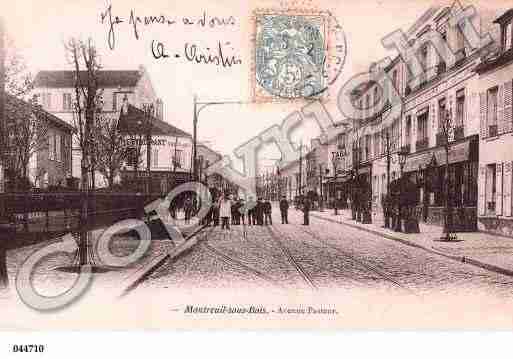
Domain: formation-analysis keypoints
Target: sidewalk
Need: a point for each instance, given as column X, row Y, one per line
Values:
column 484, row 250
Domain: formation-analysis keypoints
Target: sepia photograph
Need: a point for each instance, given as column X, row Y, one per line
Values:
column 261, row 165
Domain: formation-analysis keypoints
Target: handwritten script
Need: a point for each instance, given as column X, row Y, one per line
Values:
column 222, row 54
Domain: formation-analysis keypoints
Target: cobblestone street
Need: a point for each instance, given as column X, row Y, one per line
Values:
column 324, row 255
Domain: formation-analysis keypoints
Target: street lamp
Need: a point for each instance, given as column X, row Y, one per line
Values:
column 403, row 154
column 198, row 106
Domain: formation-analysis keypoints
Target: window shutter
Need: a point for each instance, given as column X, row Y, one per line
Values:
column 483, row 132
column 500, row 110
column 498, row 204
column 508, row 185
column 508, row 118
column 482, row 190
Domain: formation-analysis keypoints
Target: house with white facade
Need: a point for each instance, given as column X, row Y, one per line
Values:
column 55, row 93
column 495, row 207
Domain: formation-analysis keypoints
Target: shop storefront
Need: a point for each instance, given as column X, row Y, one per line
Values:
column 337, row 189
column 427, row 170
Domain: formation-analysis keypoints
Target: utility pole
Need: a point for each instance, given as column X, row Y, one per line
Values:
column 301, row 167
column 148, row 113
column 321, row 200
column 387, row 218
column 194, row 138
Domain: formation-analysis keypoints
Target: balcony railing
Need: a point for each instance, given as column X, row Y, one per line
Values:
column 441, row 139
column 422, row 144
column 458, row 133
column 492, row 131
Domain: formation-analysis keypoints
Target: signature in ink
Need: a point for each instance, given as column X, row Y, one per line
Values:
column 113, row 21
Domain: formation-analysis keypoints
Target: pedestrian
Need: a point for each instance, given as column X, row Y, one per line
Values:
column 234, row 212
column 250, row 208
column 284, row 210
column 267, row 212
column 188, row 209
column 215, row 210
column 242, row 211
column 306, row 211
column 224, row 211
column 259, row 211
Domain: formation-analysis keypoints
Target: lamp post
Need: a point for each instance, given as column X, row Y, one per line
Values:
column 198, row 106
column 321, row 199
column 404, row 190
column 335, row 173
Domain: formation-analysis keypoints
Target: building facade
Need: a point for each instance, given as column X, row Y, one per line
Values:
column 440, row 112
column 48, row 141
column 55, row 93
column 170, row 151
column 495, row 212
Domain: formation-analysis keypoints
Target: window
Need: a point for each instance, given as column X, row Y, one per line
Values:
column 441, row 65
column 507, row 34
column 177, row 159
column 376, row 99
column 491, row 117
column 395, row 79
column 367, row 105
column 47, row 100
column 66, row 102
column 155, row 157
column 424, row 56
column 132, row 159
column 367, row 146
column 408, row 130
column 491, row 187
column 51, row 146
column 460, row 39
column 422, row 131
column 377, row 148
column 396, row 134
column 441, row 115
column 460, row 108
column 58, row 151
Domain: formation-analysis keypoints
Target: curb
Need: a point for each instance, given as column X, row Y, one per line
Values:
column 461, row 259
column 140, row 275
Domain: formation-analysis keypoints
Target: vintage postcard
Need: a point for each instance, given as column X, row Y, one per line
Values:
column 312, row 164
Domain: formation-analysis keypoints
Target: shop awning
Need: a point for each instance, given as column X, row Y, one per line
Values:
column 459, row 152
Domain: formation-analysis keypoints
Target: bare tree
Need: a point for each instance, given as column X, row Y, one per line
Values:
column 27, row 129
column 84, row 58
column 18, row 80
column 111, row 148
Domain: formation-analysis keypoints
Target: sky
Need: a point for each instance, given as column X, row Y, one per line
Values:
column 39, row 30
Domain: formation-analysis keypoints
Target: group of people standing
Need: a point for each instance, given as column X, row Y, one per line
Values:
column 226, row 210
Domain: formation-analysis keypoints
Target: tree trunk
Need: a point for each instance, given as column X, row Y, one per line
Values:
column 82, row 246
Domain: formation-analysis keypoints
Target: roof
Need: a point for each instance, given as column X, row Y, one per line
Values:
column 128, row 123
column 492, row 63
column 106, row 78
column 15, row 106
column 504, row 17
column 203, row 147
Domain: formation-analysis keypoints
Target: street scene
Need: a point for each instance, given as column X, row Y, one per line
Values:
column 365, row 180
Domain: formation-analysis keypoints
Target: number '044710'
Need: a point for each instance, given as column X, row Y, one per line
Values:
column 28, row 348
